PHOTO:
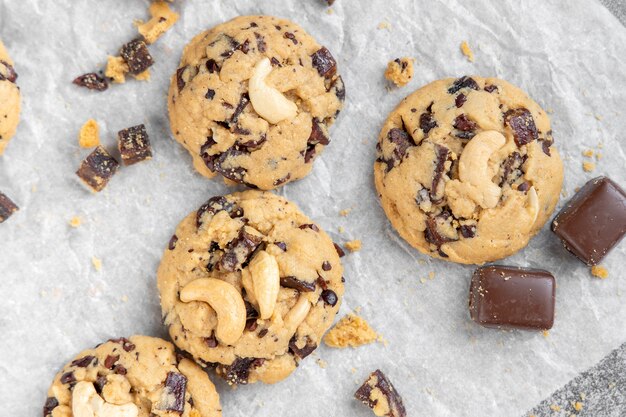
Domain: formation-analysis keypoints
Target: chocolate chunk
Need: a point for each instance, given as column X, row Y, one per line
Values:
column 330, row 2
column 97, row 169
column 244, row 47
column 51, row 404
column 525, row 186
column 251, row 325
column 275, row 62
column 439, row 229
column 339, row 250
column 523, row 125
column 339, row 88
column 281, row 181
column 545, row 146
column 324, row 62
column 464, row 124
column 211, row 341
column 239, row 371
column 297, row 284
column 594, row 221
column 468, row 231
column 291, row 37
column 126, row 344
column 7, row 72
column 120, row 370
column 92, row 81
column 109, row 361
column 438, row 185
column 326, row 266
column 216, row 204
column 137, row 56
column 238, row 250
column 134, row 144
column 68, row 378
column 512, row 298
column 460, row 100
column 83, row 362
column 379, row 394
column 427, row 120
column 220, row 163
column 260, row 42
column 173, row 396
column 303, row 352
column 281, row 245
column 7, row 207
column 465, row 135
column 172, row 244
column 463, row 82
column 99, row 384
column 402, row 141
column 309, row 226
column 212, row 66
column 329, row 297
column 243, row 102
column 491, row 88
column 209, row 94
column 262, row 333
column 512, row 168
column 180, row 81
column 319, row 133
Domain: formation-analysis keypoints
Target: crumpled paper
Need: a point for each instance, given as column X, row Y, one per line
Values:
column 55, row 303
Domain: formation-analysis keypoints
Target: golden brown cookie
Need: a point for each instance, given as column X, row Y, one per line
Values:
column 10, row 100
column 253, row 99
column 138, row 376
column 251, row 284
column 466, row 170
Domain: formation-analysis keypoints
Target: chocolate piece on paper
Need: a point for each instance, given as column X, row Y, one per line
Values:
column 97, row 169
column 379, row 394
column 593, row 221
column 7, row 207
column 137, row 56
column 512, row 298
column 134, row 144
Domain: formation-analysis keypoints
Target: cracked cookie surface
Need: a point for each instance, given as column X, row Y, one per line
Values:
column 136, row 377
column 466, row 169
column 252, row 100
column 10, row 99
column 249, row 283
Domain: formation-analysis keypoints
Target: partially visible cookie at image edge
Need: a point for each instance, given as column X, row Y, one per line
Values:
column 10, row 99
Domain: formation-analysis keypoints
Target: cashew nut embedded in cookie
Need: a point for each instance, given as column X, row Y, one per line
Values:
column 533, row 204
column 297, row 314
column 474, row 168
column 266, row 282
column 267, row 101
column 87, row 403
column 227, row 302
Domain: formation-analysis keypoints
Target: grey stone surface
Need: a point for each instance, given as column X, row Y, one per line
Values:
column 601, row 390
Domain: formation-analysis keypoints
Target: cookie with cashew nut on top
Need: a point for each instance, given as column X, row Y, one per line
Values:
column 249, row 284
column 467, row 169
column 10, row 99
column 136, row 377
column 253, row 100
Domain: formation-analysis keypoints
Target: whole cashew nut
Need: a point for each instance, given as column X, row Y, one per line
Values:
column 533, row 204
column 268, row 102
column 225, row 300
column 297, row 314
column 87, row 403
column 473, row 166
column 266, row 282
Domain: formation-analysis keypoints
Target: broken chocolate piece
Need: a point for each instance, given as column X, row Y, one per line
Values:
column 260, row 42
column 291, row 37
column 468, row 231
column 339, row 89
column 427, row 120
column 126, row 344
column 464, row 124
column 217, row 163
column 318, row 133
column 439, row 229
column 402, row 141
column 379, row 394
column 243, row 102
column 110, row 360
column 491, row 88
column 92, row 81
column 324, row 62
column 239, row 371
column 512, row 169
column 339, row 250
column 173, row 396
column 460, row 100
column 134, row 144
column 137, row 56
column 329, row 297
column 238, row 250
column 309, row 226
column 297, row 284
column 50, row 404
column 512, row 298
column 594, row 221
column 172, row 243
column 97, row 169
column 463, row 82
column 303, row 352
column 7, row 72
column 438, row 185
column 68, row 378
column 523, row 125
column 7, row 207
column 215, row 204
column 83, row 362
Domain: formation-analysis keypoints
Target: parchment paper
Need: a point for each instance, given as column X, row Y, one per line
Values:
column 569, row 56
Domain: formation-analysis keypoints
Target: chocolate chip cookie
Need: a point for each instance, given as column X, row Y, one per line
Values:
column 250, row 284
column 10, row 101
column 138, row 376
column 466, row 169
column 253, row 99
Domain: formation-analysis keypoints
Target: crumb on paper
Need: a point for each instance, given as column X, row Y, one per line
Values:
column 400, row 71
column 555, row 407
column 598, row 156
column 431, row 275
column 467, row 51
column 599, row 272
column 589, row 166
column 350, row 331
column 33, row 189
column 353, row 245
column 384, row 25
column 588, row 153
column 116, row 69
column 124, row 298
column 582, row 396
column 549, row 110
column 75, row 221
column 162, row 19
column 89, row 135
column 97, row 263
column 578, row 406
column 322, row 363
column 353, row 370
column 598, row 117
column 345, row 212
column 423, row 280
column 341, row 229
column 421, row 262
column 329, row 11
column 546, row 333
column 142, row 76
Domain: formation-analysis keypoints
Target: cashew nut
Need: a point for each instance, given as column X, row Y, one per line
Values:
column 225, row 299
column 297, row 314
column 474, row 168
column 268, row 102
column 533, row 204
column 265, row 281
column 87, row 403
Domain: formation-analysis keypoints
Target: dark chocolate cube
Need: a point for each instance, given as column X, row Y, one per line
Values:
column 512, row 298
column 379, row 394
column 134, row 144
column 97, row 169
column 137, row 56
column 7, row 207
column 593, row 221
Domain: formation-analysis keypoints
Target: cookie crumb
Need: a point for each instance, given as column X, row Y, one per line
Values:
column 546, row 333
column 345, row 212
column 467, row 51
column 431, row 275
column 116, row 69
column 341, row 229
column 384, row 25
column 124, row 298
column 322, row 363
column 578, row 406
column 97, row 263
column 555, row 407
column 162, row 19
column 143, row 76
column 400, row 71
column 588, row 153
column 599, row 272
column 353, row 245
column 75, row 221
column 329, row 11
column 423, row 280
column 350, row 331
column 589, row 166
column 599, row 117
column 89, row 136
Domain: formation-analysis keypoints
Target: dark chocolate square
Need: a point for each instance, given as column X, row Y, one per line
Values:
column 97, row 169
column 593, row 221
column 379, row 394
column 7, row 207
column 137, row 56
column 134, row 144
column 512, row 298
